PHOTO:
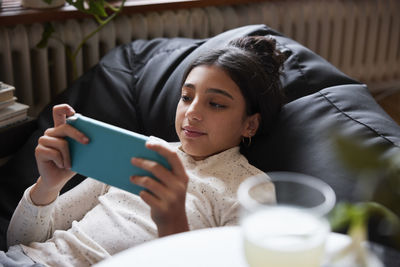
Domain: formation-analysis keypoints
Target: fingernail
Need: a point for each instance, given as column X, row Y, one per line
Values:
column 152, row 140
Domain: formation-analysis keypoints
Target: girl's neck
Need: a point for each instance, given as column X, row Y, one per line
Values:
column 200, row 158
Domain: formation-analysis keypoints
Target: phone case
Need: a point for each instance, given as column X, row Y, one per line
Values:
column 107, row 156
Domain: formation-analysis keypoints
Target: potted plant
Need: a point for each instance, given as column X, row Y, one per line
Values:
column 102, row 12
column 378, row 182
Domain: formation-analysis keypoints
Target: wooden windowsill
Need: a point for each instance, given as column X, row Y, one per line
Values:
column 12, row 13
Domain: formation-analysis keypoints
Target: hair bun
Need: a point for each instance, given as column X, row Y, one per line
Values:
column 270, row 57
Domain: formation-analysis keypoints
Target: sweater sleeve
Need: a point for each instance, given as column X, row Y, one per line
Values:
column 31, row 223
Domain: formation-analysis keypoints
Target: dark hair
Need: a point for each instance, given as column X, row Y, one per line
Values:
column 255, row 65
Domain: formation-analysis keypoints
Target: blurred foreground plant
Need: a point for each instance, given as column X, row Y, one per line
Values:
column 378, row 183
column 101, row 10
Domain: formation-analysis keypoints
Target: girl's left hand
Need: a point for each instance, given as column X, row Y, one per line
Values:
column 168, row 194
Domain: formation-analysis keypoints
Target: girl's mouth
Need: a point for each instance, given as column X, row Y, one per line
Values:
column 192, row 133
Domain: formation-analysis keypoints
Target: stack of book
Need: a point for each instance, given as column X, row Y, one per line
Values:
column 11, row 112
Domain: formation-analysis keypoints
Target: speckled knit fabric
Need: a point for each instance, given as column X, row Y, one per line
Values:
column 93, row 221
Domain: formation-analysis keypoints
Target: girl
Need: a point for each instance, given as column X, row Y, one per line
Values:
column 228, row 96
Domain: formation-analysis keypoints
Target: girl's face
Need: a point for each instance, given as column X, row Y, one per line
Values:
column 210, row 116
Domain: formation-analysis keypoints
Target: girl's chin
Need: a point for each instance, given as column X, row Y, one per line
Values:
column 196, row 154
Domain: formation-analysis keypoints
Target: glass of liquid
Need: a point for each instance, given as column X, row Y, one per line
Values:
column 291, row 231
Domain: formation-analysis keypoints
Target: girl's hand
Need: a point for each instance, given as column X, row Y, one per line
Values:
column 168, row 195
column 52, row 157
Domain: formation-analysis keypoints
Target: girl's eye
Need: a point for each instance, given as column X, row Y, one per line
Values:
column 216, row 105
column 185, row 98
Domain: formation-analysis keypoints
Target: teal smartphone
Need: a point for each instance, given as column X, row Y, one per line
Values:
column 107, row 156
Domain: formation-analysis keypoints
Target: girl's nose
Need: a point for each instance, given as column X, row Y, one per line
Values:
column 194, row 111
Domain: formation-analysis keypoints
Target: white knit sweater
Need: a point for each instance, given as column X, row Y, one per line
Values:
column 94, row 221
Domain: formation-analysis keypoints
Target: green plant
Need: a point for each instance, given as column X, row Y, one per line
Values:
column 377, row 172
column 378, row 180
column 102, row 11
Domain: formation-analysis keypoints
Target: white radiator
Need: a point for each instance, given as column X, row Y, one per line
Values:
column 360, row 37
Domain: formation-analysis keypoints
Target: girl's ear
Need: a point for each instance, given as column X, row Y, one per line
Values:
column 252, row 124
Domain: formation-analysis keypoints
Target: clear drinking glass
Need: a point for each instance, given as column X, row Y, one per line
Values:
column 290, row 232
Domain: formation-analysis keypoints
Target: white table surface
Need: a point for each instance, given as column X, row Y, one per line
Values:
column 201, row 248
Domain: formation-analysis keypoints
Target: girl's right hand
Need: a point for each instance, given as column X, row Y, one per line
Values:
column 52, row 156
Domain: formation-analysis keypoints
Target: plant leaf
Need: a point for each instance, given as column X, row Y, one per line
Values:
column 78, row 4
column 96, row 7
column 46, row 35
column 348, row 214
column 387, row 214
column 340, row 216
column 358, row 157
